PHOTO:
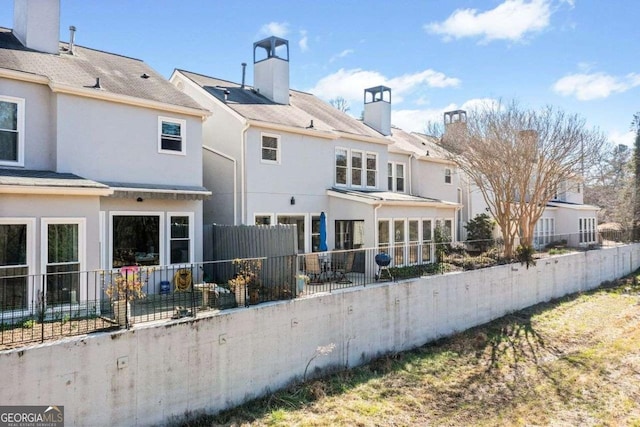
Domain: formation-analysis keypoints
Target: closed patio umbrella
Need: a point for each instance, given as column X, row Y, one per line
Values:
column 323, row 232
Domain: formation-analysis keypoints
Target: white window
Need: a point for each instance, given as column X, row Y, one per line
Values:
column 414, row 240
column 396, row 178
column 427, row 240
column 172, row 135
column 11, row 131
column 16, row 256
column 372, row 170
column 270, row 148
column 180, row 234
column 63, row 256
column 399, row 241
column 383, row 235
column 342, row 166
column 356, row 168
column 587, row 228
column 543, row 232
column 447, row 176
column 136, row 238
column 263, row 219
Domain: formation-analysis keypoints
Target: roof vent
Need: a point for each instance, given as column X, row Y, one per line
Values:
column 72, row 38
column 97, row 85
column 226, row 95
column 145, row 76
column 244, row 70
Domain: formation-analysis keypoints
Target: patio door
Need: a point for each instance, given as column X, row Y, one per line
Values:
column 298, row 220
column 15, row 247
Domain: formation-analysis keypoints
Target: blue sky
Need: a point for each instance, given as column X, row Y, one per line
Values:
column 579, row 55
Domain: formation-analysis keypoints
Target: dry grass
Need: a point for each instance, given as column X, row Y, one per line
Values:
column 575, row 361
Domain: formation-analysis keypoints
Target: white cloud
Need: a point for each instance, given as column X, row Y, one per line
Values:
column 341, row 54
column 511, row 20
column 278, row 29
column 350, row 84
column 304, row 40
column 586, row 86
column 626, row 138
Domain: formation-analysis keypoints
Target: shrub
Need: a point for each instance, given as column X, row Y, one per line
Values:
column 524, row 254
column 480, row 231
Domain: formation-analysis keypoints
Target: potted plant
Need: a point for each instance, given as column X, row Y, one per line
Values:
column 126, row 287
column 246, row 280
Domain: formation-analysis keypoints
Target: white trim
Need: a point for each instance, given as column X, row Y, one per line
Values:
column 376, row 170
column 59, row 190
column 161, row 231
column 183, row 135
column 278, row 150
column 270, row 215
column 30, row 255
column 450, row 176
column 102, row 222
column 394, row 183
column 82, row 256
column 20, row 107
column 191, row 237
column 363, row 169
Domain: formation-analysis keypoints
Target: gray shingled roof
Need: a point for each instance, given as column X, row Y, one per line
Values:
column 35, row 178
column 420, row 144
column 303, row 107
column 118, row 74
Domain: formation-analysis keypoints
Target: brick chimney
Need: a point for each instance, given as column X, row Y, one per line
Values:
column 36, row 23
column 377, row 109
column 271, row 69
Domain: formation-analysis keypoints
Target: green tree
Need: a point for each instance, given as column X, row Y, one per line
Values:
column 480, row 231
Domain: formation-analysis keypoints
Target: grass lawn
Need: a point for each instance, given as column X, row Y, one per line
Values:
column 569, row 362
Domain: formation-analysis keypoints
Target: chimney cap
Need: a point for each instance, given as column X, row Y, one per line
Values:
column 378, row 94
column 270, row 44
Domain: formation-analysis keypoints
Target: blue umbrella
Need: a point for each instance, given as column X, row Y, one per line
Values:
column 323, row 232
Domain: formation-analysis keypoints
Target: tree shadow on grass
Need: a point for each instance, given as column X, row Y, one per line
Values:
column 504, row 348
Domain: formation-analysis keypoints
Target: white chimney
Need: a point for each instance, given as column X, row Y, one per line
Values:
column 271, row 72
column 377, row 109
column 36, row 23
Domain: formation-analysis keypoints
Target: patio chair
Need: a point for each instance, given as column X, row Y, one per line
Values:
column 312, row 267
column 347, row 267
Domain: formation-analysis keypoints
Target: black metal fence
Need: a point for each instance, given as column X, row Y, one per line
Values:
column 45, row 307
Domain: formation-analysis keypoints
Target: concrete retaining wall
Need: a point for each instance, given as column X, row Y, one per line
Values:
column 158, row 371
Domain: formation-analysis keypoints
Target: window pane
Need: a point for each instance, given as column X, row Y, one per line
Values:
column 371, row 179
column 172, row 129
column 136, row 240
column 269, row 154
column 63, row 283
column 8, row 145
column 413, row 231
column 263, row 220
column 356, row 177
column 8, row 115
column 179, row 227
column 371, row 162
column 179, row 251
column 390, row 176
column 356, row 160
column 269, row 142
column 398, row 231
column 400, row 185
column 341, row 167
column 13, row 244
column 172, row 144
column 383, row 232
column 426, row 231
column 62, row 243
column 13, row 288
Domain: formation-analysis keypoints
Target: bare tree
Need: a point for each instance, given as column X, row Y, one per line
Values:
column 518, row 158
column 340, row 103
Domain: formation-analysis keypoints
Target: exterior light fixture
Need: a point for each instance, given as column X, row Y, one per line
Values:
column 293, row 200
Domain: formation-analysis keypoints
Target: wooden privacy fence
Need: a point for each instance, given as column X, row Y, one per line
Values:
column 273, row 249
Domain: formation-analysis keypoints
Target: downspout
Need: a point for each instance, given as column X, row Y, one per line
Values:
column 235, row 179
column 375, row 223
column 243, row 177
